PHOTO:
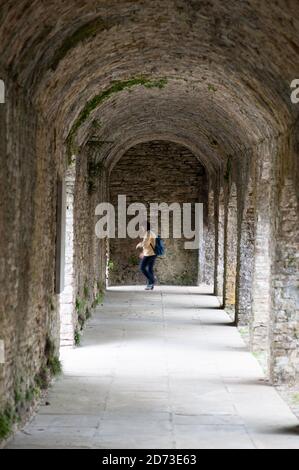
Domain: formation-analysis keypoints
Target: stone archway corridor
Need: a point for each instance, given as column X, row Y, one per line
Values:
column 193, row 105
column 164, row 371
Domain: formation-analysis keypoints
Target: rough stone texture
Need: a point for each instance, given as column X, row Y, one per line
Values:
column 89, row 269
column 209, row 239
column 163, row 169
column 219, row 253
column 28, row 312
column 246, row 230
column 284, row 326
column 230, row 249
column 68, row 318
column 208, row 75
column 261, row 286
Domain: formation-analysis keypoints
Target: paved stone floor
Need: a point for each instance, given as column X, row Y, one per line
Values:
column 161, row 370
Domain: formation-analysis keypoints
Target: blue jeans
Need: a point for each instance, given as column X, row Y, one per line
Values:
column 147, row 268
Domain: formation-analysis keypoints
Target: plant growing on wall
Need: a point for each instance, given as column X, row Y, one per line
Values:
column 94, row 171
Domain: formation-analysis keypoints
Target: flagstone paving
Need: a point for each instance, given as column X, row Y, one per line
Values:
column 162, row 369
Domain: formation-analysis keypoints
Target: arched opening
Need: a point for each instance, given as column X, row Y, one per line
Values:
column 114, row 84
column 169, row 174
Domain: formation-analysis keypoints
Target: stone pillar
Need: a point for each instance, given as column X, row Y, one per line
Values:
column 230, row 251
column 67, row 298
column 261, row 286
column 219, row 242
column 210, row 240
column 284, row 332
column 245, row 262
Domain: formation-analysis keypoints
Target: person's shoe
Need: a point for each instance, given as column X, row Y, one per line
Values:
column 151, row 287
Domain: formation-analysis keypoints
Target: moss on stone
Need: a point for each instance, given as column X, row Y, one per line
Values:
column 53, row 363
column 212, row 88
column 86, row 291
column 18, row 396
column 54, row 366
column 6, row 425
column 134, row 260
column 92, row 104
column 42, row 379
column 94, row 171
column 77, row 338
column 84, row 32
column 80, row 305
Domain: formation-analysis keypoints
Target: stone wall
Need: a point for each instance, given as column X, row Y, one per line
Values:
column 89, row 252
column 209, row 239
column 219, row 239
column 28, row 305
column 146, row 71
column 284, row 325
column 230, row 249
column 246, row 230
column 157, row 172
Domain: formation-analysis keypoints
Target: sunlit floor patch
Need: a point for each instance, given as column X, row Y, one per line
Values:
column 161, row 370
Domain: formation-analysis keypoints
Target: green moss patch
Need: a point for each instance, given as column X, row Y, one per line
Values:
column 6, row 425
column 84, row 32
column 97, row 100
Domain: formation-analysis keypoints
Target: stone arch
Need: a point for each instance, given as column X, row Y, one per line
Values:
column 178, row 178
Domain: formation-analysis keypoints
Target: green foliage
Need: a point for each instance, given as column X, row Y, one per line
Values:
column 98, row 299
column 97, row 100
column 80, row 305
column 86, row 291
column 134, row 260
column 13, row 413
column 6, row 424
column 54, row 366
column 18, row 396
column 111, row 266
column 53, row 363
column 212, row 88
column 77, row 338
column 32, row 393
column 42, row 379
column 94, row 171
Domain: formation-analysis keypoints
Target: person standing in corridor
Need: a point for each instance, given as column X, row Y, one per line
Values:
column 148, row 256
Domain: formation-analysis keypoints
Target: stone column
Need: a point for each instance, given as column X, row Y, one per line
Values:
column 245, row 262
column 261, row 287
column 284, row 332
column 219, row 242
column 230, row 251
column 67, row 298
column 210, row 240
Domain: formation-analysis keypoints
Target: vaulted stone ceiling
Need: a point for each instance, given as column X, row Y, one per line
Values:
column 213, row 75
